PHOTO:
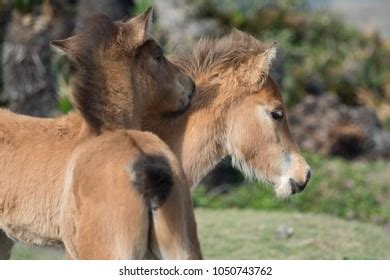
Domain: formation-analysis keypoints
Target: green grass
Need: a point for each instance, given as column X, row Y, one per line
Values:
column 22, row 252
column 250, row 234
column 349, row 190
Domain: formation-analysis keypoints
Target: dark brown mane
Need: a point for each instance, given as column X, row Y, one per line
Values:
column 211, row 55
column 97, row 31
column 90, row 85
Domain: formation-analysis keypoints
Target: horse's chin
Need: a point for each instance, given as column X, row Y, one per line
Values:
column 283, row 189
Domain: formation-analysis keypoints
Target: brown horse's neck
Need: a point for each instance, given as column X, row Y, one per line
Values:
column 124, row 105
column 194, row 137
column 105, row 96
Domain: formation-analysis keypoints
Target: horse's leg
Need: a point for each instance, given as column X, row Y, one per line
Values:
column 174, row 233
column 116, row 227
column 113, row 239
column 6, row 245
column 108, row 240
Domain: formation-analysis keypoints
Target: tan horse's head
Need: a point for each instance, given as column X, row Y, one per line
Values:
column 246, row 110
column 122, row 73
column 258, row 136
column 260, row 142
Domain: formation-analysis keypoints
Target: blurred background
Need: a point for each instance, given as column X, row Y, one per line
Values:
column 333, row 68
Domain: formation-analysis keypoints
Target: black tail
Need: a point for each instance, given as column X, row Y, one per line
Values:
column 153, row 179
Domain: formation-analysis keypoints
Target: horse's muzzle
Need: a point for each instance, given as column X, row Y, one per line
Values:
column 297, row 187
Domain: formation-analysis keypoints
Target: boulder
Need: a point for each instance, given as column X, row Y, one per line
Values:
column 322, row 123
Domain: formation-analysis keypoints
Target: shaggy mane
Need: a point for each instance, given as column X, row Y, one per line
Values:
column 90, row 88
column 213, row 55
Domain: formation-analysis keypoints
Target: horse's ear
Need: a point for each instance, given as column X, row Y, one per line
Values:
column 139, row 26
column 66, row 46
column 257, row 69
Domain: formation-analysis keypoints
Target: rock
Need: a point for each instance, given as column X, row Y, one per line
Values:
column 284, row 232
column 323, row 124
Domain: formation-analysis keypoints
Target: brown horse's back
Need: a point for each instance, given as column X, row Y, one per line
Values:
column 105, row 212
column 113, row 182
column 103, row 217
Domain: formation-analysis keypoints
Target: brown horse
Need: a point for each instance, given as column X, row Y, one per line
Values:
column 116, row 186
column 122, row 76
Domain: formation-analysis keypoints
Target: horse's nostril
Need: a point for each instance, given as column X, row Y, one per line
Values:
column 296, row 187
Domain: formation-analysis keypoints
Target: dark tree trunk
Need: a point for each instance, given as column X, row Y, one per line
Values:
column 4, row 18
column 27, row 77
column 114, row 9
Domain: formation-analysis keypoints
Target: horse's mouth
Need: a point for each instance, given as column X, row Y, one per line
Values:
column 178, row 112
column 183, row 107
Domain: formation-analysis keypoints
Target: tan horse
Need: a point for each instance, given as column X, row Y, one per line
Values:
column 237, row 110
column 122, row 75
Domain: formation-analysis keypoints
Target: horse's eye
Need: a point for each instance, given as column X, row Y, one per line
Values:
column 277, row 114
